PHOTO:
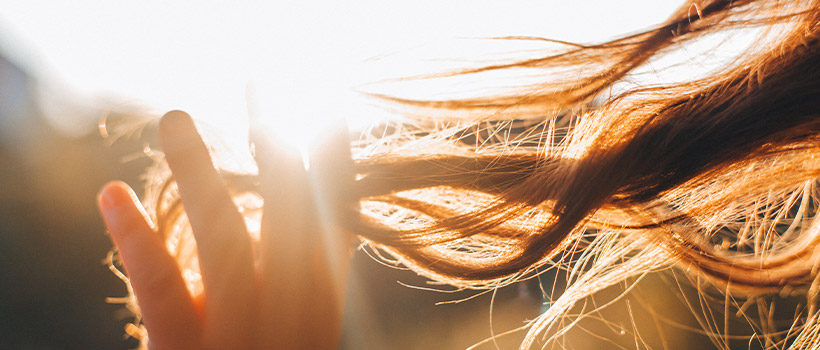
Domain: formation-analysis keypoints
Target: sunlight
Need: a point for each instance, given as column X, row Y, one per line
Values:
column 297, row 112
column 200, row 56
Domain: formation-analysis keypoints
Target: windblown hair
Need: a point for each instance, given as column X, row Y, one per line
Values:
column 716, row 175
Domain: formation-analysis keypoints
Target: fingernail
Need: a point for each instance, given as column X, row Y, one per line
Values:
column 114, row 194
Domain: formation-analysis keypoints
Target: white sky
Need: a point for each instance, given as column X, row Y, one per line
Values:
column 201, row 55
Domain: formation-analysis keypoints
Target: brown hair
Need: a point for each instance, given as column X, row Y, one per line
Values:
column 715, row 174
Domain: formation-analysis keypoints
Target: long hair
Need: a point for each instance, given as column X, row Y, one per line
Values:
column 714, row 175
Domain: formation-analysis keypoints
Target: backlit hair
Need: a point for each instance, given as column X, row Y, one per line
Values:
column 715, row 175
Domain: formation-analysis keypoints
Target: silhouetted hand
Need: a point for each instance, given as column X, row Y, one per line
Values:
column 287, row 297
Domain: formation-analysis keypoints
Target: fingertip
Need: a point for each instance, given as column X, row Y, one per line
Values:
column 121, row 208
column 335, row 138
column 332, row 163
column 173, row 119
column 172, row 122
column 114, row 194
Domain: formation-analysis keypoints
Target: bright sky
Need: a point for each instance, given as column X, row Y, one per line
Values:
column 201, row 55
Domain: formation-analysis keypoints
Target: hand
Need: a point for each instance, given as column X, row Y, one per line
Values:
column 288, row 297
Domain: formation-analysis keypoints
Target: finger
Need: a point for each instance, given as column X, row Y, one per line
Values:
column 300, row 246
column 332, row 164
column 285, row 187
column 287, row 223
column 223, row 244
column 167, row 309
column 331, row 175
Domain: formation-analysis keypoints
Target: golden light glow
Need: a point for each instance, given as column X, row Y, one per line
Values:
column 201, row 55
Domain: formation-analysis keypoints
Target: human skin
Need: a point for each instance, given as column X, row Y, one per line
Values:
column 288, row 296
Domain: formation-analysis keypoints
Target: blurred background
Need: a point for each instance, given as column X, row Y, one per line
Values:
column 65, row 66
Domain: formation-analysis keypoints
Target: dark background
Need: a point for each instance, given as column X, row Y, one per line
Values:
column 53, row 282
